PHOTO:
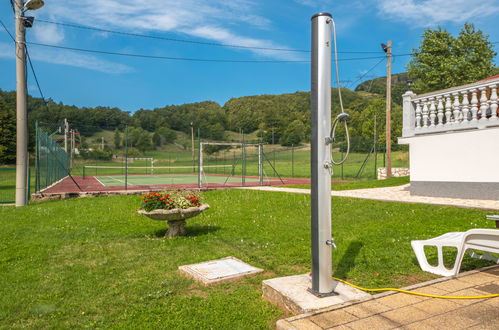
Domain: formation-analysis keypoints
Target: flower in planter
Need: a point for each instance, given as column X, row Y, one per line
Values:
column 168, row 200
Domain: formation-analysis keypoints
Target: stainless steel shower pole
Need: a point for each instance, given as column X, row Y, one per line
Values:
column 321, row 167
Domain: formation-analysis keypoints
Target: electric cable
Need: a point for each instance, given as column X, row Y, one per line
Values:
column 36, row 78
column 365, row 74
column 92, row 28
column 416, row 293
column 190, row 59
column 8, row 32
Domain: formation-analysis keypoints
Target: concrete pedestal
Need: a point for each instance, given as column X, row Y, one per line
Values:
column 291, row 293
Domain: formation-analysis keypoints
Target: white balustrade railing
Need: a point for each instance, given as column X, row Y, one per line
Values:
column 471, row 106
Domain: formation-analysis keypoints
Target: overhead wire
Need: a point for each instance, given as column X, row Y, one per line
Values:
column 365, row 74
column 92, row 28
column 190, row 59
column 8, row 32
column 36, row 78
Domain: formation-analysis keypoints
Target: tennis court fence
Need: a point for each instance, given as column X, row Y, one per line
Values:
column 73, row 158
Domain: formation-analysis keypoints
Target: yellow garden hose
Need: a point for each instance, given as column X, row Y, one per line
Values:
column 415, row 293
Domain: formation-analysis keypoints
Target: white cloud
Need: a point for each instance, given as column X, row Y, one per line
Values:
column 69, row 58
column 423, row 13
column 47, row 33
column 215, row 20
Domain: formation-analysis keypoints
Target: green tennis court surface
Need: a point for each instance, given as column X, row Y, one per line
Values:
column 119, row 180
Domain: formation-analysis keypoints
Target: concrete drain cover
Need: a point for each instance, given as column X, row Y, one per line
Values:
column 221, row 270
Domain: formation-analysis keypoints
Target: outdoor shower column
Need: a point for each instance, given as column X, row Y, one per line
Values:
column 321, row 167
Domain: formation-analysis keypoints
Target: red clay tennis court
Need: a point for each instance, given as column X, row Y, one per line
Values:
column 102, row 183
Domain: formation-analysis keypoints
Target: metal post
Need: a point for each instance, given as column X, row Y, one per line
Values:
column 321, row 167
column 21, row 108
column 37, row 158
column 71, row 143
column 292, row 160
column 243, row 155
column 375, row 149
column 66, row 127
column 192, row 147
column 388, row 109
column 126, row 157
column 260, row 164
column 342, row 166
column 200, row 165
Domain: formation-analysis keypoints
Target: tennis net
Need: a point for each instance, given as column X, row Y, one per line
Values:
column 96, row 170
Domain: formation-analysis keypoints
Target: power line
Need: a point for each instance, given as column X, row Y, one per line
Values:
column 189, row 59
column 365, row 74
column 8, row 32
column 92, row 28
column 187, row 41
column 85, row 27
column 36, row 78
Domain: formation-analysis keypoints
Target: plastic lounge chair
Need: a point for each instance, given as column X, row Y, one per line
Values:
column 486, row 240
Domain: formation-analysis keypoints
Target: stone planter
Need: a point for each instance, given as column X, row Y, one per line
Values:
column 175, row 217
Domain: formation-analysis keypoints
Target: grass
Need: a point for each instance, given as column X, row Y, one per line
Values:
column 94, row 262
column 362, row 184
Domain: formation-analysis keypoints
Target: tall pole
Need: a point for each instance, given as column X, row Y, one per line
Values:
column 21, row 109
column 388, row 108
column 126, row 157
column 192, row 147
column 321, row 168
column 200, row 161
column 375, row 149
column 260, row 164
column 66, row 126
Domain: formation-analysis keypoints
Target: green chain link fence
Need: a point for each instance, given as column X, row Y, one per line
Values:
column 51, row 160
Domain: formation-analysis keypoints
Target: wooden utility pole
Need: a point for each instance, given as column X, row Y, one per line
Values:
column 388, row 108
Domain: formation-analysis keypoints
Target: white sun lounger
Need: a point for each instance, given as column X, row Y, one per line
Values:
column 486, row 240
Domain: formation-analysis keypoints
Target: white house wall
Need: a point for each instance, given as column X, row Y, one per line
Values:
column 455, row 164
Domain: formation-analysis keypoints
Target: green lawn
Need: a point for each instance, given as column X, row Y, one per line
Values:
column 94, row 262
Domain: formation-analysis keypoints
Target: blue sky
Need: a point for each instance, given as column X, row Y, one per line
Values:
column 86, row 79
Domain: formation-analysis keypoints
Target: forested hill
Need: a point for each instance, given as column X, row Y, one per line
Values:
column 400, row 84
column 286, row 115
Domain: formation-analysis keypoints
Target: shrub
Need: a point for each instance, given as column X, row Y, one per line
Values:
column 168, row 200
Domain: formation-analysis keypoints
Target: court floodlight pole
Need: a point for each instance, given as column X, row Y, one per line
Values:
column 126, row 157
column 321, row 166
column 260, row 164
column 200, row 161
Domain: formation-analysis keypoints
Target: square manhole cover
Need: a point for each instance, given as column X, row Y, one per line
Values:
column 221, row 270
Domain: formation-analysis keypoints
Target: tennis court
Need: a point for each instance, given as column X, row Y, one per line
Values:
column 167, row 179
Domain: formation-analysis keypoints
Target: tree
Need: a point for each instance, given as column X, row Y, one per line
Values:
column 294, row 133
column 443, row 61
column 156, row 139
column 168, row 135
column 117, row 139
column 7, row 134
column 144, row 141
column 362, row 133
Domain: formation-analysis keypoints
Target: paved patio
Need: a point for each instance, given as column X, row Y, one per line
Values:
column 399, row 194
column 398, row 310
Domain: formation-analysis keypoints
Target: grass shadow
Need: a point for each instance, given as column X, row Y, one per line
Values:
column 191, row 231
column 347, row 261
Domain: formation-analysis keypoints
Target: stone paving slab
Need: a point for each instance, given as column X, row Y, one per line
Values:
column 399, row 310
column 399, row 194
